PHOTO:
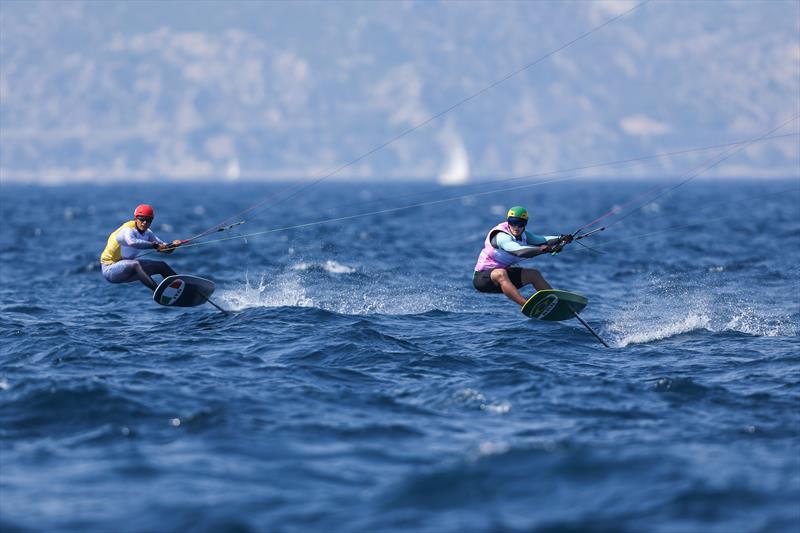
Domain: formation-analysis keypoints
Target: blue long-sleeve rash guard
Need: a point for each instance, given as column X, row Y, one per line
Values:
column 506, row 242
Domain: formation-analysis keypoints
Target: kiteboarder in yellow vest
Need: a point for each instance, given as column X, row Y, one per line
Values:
column 118, row 261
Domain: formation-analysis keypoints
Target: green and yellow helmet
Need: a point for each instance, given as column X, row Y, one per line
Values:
column 517, row 216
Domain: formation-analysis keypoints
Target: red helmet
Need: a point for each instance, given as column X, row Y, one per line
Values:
column 144, row 210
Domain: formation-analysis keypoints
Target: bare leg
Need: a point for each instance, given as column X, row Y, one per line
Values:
column 500, row 276
column 533, row 277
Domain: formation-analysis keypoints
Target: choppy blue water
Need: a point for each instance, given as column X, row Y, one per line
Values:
column 361, row 383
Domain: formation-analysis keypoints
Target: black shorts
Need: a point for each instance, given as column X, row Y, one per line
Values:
column 483, row 282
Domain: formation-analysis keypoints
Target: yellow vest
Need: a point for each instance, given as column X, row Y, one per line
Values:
column 113, row 251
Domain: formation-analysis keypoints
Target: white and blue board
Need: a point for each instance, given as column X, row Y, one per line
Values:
column 183, row 290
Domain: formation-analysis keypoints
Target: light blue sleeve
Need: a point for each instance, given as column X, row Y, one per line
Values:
column 538, row 240
column 505, row 242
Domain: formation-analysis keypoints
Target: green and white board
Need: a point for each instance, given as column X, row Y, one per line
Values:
column 554, row 305
column 183, row 291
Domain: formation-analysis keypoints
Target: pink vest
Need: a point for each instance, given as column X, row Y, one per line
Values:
column 492, row 257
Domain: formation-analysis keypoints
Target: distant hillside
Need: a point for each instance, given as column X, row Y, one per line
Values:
column 255, row 90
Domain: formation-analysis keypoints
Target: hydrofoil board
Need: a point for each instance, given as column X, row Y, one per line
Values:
column 554, row 305
column 183, row 290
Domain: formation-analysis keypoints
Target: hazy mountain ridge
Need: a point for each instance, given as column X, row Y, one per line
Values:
column 252, row 90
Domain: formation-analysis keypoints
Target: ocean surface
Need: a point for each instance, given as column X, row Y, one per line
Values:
column 360, row 383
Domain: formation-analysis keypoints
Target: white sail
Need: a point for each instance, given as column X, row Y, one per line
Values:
column 232, row 172
column 455, row 170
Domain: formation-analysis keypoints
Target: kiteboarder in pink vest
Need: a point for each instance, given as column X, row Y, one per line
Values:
column 507, row 244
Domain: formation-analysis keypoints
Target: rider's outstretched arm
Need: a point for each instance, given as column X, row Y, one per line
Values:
column 508, row 244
